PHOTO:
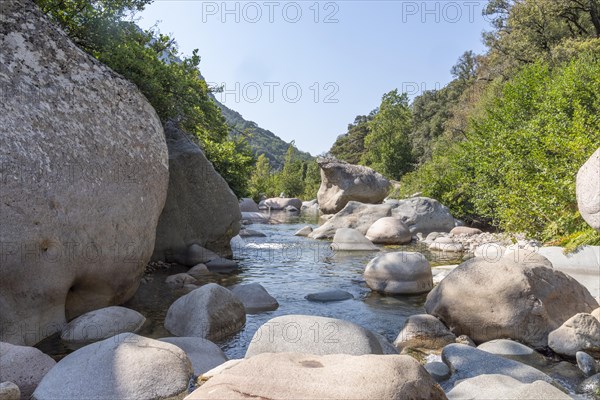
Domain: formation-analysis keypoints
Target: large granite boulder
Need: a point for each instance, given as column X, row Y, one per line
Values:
column 126, row 366
column 24, row 366
column 200, row 208
column 389, row 230
column 355, row 215
column 342, row 182
column 211, row 312
column 315, row 335
column 399, row 272
column 84, row 179
column 588, row 190
column 521, row 298
column 308, row 376
column 424, row 215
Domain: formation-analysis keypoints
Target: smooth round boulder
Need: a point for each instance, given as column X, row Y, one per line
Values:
column 329, row 296
column 248, row 205
column 347, row 239
column 101, row 324
column 389, row 230
column 497, row 386
column 425, row 332
column 424, row 215
column 342, row 182
column 588, row 191
column 309, row 376
column 84, row 179
column 519, row 297
column 204, row 354
column 255, row 298
column 579, row 333
column 314, row 335
column 399, row 273
column 586, row 363
column 24, row 366
column 211, row 312
column 126, row 366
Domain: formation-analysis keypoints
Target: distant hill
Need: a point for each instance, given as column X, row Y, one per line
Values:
column 261, row 140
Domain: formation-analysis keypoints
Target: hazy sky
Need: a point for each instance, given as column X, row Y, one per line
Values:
column 305, row 69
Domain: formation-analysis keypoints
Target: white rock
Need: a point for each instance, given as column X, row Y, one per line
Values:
column 399, row 273
column 304, row 231
column 389, row 230
column 579, row 333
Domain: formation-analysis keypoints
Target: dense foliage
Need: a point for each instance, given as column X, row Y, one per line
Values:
column 502, row 143
column 173, row 85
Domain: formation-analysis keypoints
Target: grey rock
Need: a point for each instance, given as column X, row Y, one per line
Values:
column 389, row 230
column 590, row 386
column 178, row 281
column 399, row 273
column 465, row 230
column 309, row 376
column 254, row 217
column 586, row 363
column 280, row 203
column 579, row 333
column 355, row 215
column 506, row 347
column 507, row 299
column 204, row 354
column 438, row 371
column 329, row 295
column 126, row 366
column 251, row 233
column 255, row 298
column 497, row 386
column 313, row 335
column 200, row 206
column 211, row 312
column 9, row 391
column 464, row 339
column 198, row 271
column 342, row 182
column 304, row 231
column 423, row 331
column 424, row 215
column 221, row 265
column 468, row 362
column 84, row 179
column 24, row 366
column 588, row 190
column 101, row 324
column 196, row 254
column 347, row 239
column 248, row 205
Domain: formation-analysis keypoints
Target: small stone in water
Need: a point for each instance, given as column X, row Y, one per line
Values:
column 329, row 295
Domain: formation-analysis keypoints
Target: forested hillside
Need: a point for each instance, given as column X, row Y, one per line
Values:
column 501, row 143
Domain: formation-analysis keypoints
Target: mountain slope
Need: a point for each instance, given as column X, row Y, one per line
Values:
column 261, row 141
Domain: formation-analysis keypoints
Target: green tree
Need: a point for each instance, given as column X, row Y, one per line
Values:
column 388, row 147
column 290, row 179
column 312, row 180
column 350, row 146
column 262, row 180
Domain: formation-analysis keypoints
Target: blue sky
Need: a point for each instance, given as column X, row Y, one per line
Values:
column 305, row 69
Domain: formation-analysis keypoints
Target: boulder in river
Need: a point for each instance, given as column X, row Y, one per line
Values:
column 399, row 272
column 579, row 333
column 126, row 366
column 342, row 182
column 588, row 190
column 355, row 215
column 255, row 298
column 211, row 312
column 316, row 377
column 423, row 331
column 523, row 299
column 84, row 179
column 424, row 215
column 347, row 239
column 497, row 386
column 304, row 231
column 389, row 230
column 200, row 208
column 280, row 203
column 314, row 335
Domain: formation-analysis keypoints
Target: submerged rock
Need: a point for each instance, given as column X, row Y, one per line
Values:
column 329, row 296
column 347, row 239
column 255, row 298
